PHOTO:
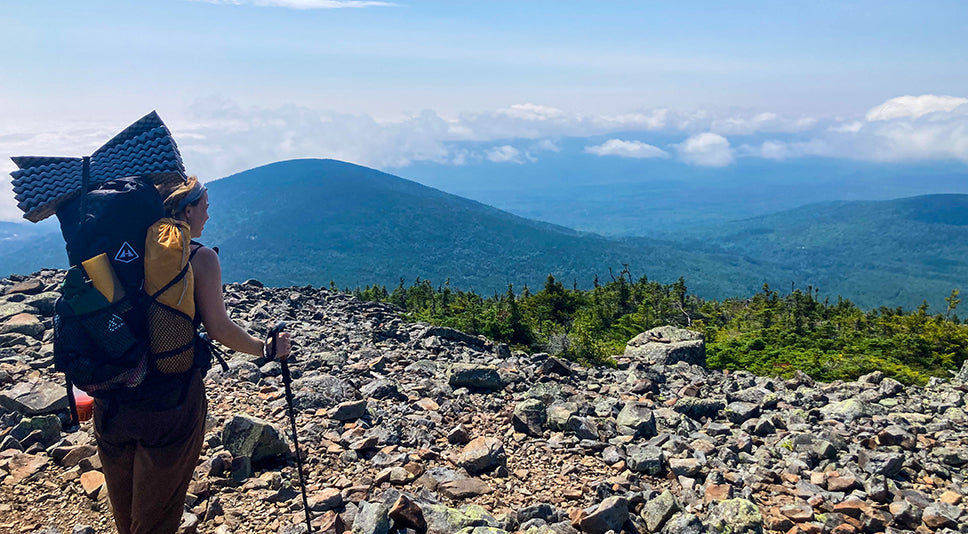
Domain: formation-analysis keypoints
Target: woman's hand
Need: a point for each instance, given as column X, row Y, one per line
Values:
column 284, row 340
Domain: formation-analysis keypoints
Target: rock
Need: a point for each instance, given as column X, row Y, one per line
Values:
column 380, row 389
column 698, row 407
column 739, row 412
column 23, row 466
column 880, row 463
column 443, row 520
column 668, row 345
column 327, row 499
column 482, row 455
column 91, row 483
column 735, row 516
column 849, row 410
column 371, row 519
column 9, row 309
column 554, row 366
column 798, row 512
column 683, row 523
column 658, row 510
column 476, row 376
column 253, row 438
column 559, row 413
column 543, row 511
column 320, row 391
column 646, row 459
column 407, row 514
column 941, row 515
column 529, row 417
column 26, row 324
column 610, row 514
column 638, row 420
column 44, row 429
column 464, row 488
column 686, row 467
column 26, row 287
column 36, row 397
column 348, row 411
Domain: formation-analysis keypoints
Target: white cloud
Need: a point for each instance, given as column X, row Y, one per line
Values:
column 302, row 4
column 546, row 145
column 847, row 127
column 706, row 149
column 504, row 154
column 532, row 112
column 627, row 149
column 750, row 123
column 914, row 107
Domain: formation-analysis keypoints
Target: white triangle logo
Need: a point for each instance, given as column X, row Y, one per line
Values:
column 126, row 254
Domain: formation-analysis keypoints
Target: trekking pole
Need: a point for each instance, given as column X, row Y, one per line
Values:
column 287, row 381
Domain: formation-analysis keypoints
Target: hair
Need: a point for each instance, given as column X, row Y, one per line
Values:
column 174, row 195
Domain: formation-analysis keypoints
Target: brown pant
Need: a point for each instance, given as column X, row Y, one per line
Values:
column 148, row 459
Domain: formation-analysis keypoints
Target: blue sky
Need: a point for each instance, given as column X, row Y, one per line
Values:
column 247, row 82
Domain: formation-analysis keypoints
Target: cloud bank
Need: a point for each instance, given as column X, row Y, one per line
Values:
column 219, row 137
column 627, row 149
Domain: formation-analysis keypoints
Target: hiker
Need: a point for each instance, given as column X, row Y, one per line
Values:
column 149, row 445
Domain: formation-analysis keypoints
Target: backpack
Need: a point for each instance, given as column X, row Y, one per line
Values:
column 124, row 324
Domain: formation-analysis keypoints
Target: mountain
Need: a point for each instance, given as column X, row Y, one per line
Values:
column 312, row 221
column 893, row 252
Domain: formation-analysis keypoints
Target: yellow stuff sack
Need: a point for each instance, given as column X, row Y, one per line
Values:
column 170, row 288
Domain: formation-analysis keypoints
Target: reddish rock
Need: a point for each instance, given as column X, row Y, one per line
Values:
column 91, row 482
column 408, row 514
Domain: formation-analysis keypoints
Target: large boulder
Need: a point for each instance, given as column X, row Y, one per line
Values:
column 667, row 345
column 253, row 438
column 36, row 397
column 475, row 376
column 735, row 516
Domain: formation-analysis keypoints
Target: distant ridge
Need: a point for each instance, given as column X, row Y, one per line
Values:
column 315, row 220
column 312, row 221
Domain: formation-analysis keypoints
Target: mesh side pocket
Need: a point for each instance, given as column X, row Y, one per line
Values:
column 109, row 328
column 172, row 338
column 93, row 357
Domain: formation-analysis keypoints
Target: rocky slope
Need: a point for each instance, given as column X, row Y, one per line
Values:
column 411, row 428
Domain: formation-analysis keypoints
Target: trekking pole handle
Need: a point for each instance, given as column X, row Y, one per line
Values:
column 272, row 336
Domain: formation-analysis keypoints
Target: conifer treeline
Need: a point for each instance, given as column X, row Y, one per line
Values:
column 769, row 333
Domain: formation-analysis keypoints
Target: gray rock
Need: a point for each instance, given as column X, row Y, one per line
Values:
column 476, row 376
column 371, row 519
column 253, row 438
column 529, row 417
column 9, row 309
column 683, row 523
column 37, row 397
column 443, row 520
column 658, row 510
column 348, row 411
column 43, row 302
column 647, row 459
column 559, row 413
column 739, row 412
column 941, row 515
column 850, row 409
column 638, row 419
column 464, row 488
column 584, row 428
column 668, row 345
column 735, row 516
column 320, row 391
column 880, row 463
column 698, row 407
column 380, row 389
column 543, row 511
column 45, row 429
column 610, row 514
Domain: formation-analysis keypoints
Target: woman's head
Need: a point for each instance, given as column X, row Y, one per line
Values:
column 189, row 202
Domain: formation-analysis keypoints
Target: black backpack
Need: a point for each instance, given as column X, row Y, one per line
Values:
column 111, row 339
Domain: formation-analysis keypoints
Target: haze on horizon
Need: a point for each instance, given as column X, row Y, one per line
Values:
column 242, row 83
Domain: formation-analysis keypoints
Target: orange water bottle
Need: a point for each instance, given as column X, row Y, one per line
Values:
column 85, row 405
